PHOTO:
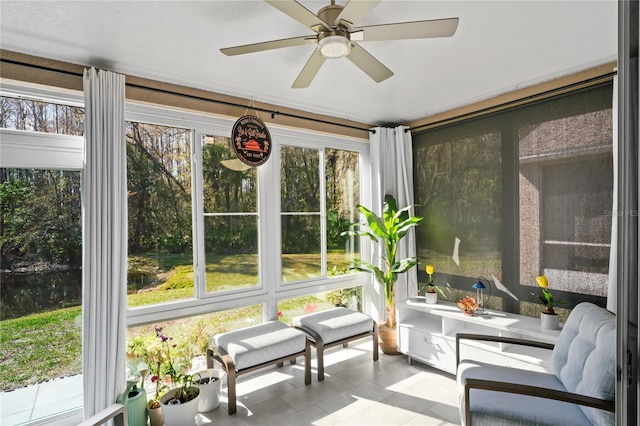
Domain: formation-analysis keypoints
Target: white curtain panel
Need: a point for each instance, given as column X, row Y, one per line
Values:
column 612, row 293
column 104, row 227
column 392, row 173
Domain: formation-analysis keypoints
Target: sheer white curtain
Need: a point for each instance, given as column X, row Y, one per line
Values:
column 392, row 173
column 104, row 227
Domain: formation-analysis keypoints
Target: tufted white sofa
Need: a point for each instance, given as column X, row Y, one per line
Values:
column 578, row 390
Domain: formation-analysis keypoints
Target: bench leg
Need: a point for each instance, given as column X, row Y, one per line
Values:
column 375, row 341
column 307, row 362
column 320, row 358
column 231, row 391
column 229, row 367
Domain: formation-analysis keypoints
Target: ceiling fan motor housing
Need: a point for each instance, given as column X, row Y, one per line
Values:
column 330, row 13
column 334, row 42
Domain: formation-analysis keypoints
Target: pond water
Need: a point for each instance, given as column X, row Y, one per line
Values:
column 25, row 293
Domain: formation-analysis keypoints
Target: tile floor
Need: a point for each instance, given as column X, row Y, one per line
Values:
column 356, row 391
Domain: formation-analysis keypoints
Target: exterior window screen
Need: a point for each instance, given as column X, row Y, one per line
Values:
column 518, row 194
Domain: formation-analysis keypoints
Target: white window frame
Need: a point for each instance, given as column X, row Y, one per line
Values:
column 46, row 150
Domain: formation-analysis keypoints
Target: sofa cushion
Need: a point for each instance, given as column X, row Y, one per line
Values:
column 584, row 357
column 499, row 408
column 261, row 343
column 335, row 324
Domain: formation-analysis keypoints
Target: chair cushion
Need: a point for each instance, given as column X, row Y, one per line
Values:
column 261, row 343
column 499, row 408
column 584, row 357
column 335, row 324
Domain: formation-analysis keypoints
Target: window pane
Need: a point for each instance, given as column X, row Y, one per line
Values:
column 566, row 193
column 229, row 184
column 342, row 171
column 231, row 245
column 159, row 202
column 458, row 191
column 300, row 179
column 301, row 257
column 231, row 220
column 40, row 320
column 36, row 116
column 300, row 195
column 296, row 306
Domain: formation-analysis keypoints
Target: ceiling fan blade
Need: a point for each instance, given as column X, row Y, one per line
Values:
column 410, row 30
column 369, row 64
column 268, row 45
column 309, row 71
column 354, row 11
column 298, row 12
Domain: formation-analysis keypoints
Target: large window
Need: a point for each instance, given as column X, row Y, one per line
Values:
column 230, row 202
column 458, row 191
column 160, row 219
column 41, row 255
column 204, row 227
column 319, row 191
column 518, row 194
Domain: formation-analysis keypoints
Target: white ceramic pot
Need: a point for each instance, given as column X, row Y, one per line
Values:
column 177, row 414
column 431, row 298
column 549, row 321
column 209, row 382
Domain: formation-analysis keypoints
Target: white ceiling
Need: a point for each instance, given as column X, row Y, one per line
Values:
column 499, row 46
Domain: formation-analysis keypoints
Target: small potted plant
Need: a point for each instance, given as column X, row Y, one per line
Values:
column 548, row 317
column 180, row 403
column 430, row 289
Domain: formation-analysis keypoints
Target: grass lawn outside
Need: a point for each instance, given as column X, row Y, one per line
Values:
column 44, row 346
column 40, row 347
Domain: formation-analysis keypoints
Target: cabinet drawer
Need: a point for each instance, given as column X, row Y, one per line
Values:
column 428, row 347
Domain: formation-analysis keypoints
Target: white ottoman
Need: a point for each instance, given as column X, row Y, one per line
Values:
column 252, row 348
column 336, row 326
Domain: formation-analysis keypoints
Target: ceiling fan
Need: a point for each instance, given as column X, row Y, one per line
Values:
column 336, row 36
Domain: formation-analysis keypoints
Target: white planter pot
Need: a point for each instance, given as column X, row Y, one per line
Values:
column 176, row 414
column 549, row 321
column 431, row 298
column 210, row 391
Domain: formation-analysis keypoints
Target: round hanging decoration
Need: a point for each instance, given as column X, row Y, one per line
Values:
column 251, row 140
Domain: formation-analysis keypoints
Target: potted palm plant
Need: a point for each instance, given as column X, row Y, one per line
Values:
column 387, row 230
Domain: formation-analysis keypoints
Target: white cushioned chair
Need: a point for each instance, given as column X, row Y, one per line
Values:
column 578, row 390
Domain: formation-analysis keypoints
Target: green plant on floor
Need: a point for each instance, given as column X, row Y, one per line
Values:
column 387, row 230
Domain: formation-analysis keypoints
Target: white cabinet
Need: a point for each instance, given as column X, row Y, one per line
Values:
column 427, row 333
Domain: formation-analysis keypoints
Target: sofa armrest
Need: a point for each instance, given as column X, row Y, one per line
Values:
column 499, row 339
column 117, row 412
column 533, row 391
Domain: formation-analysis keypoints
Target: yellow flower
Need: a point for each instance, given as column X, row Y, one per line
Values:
column 542, row 281
column 429, row 269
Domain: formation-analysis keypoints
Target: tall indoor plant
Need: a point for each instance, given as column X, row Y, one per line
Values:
column 387, row 230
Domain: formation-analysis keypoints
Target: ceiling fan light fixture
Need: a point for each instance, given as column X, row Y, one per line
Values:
column 334, row 44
